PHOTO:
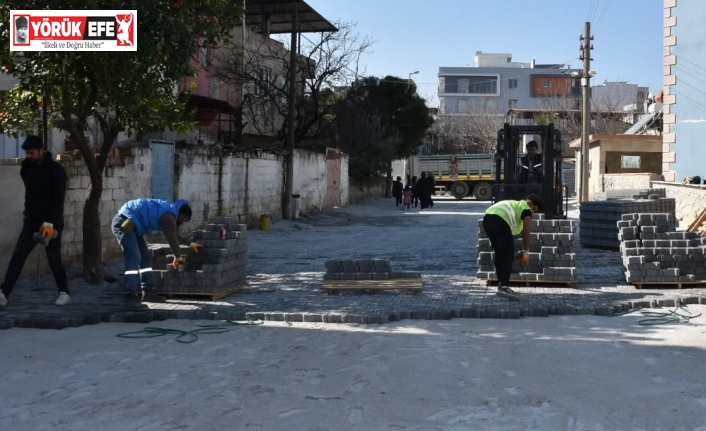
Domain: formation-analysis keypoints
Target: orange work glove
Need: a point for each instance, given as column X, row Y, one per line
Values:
column 178, row 261
column 47, row 230
column 524, row 257
column 196, row 247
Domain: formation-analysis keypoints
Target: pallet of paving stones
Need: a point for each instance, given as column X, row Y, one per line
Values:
column 551, row 256
column 655, row 254
column 370, row 275
column 597, row 219
column 220, row 268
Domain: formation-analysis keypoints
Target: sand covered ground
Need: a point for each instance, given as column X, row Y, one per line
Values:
column 556, row 373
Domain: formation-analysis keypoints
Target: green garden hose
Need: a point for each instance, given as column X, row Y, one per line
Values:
column 187, row 336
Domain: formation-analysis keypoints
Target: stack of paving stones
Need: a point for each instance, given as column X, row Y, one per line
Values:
column 654, row 252
column 221, row 266
column 598, row 219
column 551, row 256
column 365, row 269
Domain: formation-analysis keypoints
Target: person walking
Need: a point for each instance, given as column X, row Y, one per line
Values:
column 397, row 192
column 137, row 218
column 45, row 187
column 501, row 222
column 413, row 186
column 407, row 197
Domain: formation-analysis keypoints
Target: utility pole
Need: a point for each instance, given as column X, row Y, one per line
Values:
column 288, row 212
column 586, row 48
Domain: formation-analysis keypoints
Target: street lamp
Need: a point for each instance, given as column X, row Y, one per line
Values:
column 409, row 76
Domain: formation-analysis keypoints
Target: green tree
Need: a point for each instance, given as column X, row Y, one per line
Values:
column 124, row 91
column 393, row 106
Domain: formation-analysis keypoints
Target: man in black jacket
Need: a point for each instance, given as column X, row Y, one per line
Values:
column 45, row 187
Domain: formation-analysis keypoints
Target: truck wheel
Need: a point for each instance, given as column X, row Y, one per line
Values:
column 483, row 192
column 459, row 189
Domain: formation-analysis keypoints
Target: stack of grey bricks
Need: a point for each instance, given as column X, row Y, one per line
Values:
column 220, row 266
column 365, row 269
column 551, row 256
column 597, row 220
column 654, row 252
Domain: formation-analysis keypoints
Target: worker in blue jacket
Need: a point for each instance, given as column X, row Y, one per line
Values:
column 142, row 216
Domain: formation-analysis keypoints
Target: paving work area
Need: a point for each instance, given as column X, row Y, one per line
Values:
column 286, row 267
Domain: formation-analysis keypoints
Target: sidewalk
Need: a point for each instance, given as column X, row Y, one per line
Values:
column 286, row 266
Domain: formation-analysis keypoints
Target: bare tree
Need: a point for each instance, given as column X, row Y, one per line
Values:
column 326, row 61
column 472, row 131
column 607, row 116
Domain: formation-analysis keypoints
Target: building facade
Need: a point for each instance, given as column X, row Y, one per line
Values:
column 497, row 84
column 684, row 111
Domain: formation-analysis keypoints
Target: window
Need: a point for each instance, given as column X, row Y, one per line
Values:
column 463, row 85
column 262, row 81
column 511, row 103
column 630, row 162
column 512, row 83
column 546, row 83
column 203, row 51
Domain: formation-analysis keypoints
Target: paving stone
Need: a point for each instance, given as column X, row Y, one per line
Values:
column 286, row 266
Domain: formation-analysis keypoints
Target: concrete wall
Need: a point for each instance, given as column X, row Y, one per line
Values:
column 310, row 180
column 12, row 198
column 603, row 147
column 242, row 185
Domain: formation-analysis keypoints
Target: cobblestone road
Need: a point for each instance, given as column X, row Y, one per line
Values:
column 286, row 266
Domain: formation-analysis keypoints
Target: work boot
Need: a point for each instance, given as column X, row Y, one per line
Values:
column 63, row 299
column 153, row 297
column 507, row 293
column 3, row 300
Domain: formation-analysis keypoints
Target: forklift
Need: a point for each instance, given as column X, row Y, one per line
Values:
column 510, row 184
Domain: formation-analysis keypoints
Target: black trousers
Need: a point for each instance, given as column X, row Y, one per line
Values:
column 25, row 244
column 503, row 244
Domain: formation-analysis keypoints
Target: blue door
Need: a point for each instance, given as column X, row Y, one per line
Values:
column 162, row 169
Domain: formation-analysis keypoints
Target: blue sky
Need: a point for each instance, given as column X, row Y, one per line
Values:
column 421, row 35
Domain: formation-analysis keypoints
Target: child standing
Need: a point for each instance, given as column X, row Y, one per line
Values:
column 407, row 197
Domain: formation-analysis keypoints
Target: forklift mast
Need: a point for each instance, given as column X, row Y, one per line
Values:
column 550, row 188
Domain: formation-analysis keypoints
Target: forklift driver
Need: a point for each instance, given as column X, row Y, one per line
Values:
column 530, row 169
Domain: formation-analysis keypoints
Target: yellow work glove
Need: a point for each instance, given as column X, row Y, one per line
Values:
column 524, row 257
column 127, row 226
column 178, row 261
column 196, row 247
column 47, row 230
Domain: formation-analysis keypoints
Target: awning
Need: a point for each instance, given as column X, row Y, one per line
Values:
column 196, row 101
column 277, row 15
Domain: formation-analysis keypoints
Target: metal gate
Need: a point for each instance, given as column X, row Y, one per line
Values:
column 162, row 169
column 333, row 178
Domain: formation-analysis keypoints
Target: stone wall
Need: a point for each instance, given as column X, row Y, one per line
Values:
column 690, row 200
column 627, row 181
column 242, row 185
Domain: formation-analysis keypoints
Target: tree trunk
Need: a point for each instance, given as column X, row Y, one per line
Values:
column 92, row 241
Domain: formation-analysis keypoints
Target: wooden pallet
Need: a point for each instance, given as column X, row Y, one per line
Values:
column 412, row 284
column 698, row 222
column 532, row 283
column 203, row 295
column 671, row 285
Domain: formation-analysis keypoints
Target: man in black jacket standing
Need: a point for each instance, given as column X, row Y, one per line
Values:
column 45, row 187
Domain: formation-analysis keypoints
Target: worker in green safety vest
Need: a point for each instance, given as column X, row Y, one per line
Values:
column 501, row 222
